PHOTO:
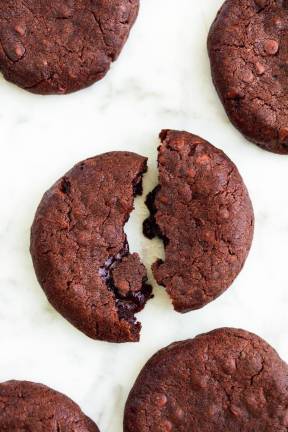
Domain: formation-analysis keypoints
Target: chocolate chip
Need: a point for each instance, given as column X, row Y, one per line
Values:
column 224, row 213
column 191, row 172
column 213, row 410
column 260, row 68
column 247, row 76
column 13, row 49
column 209, row 236
column 19, row 50
column 61, row 89
column 161, row 400
column 283, row 135
column 179, row 413
column 271, row 46
column 203, row 159
column 234, row 94
column 20, row 29
column 163, row 199
column 166, row 426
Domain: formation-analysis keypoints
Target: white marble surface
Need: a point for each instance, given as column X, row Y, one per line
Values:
column 161, row 80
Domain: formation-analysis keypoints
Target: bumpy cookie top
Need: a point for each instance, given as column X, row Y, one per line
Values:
column 202, row 211
column 226, row 380
column 59, row 46
column 80, row 251
column 248, row 48
column 27, row 406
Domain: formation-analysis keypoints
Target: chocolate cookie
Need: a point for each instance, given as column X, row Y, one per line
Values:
column 227, row 380
column 202, row 211
column 60, row 46
column 248, row 49
column 80, row 251
column 26, row 406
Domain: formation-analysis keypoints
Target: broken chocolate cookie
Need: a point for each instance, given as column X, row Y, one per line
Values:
column 80, row 251
column 202, row 212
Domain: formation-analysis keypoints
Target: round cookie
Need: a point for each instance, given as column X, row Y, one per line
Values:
column 248, row 51
column 26, row 406
column 226, row 380
column 202, row 211
column 60, row 46
column 80, row 251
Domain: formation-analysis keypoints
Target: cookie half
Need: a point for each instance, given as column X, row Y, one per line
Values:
column 226, row 380
column 57, row 46
column 80, row 251
column 202, row 211
column 248, row 51
column 26, row 406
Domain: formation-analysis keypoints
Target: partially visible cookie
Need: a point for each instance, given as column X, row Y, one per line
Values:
column 80, row 251
column 60, row 46
column 228, row 380
column 26, row 406
column 248, row 51
column 202, row 211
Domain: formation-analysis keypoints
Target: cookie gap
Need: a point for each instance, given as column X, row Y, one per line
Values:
column 151, row 229
column 133, row 301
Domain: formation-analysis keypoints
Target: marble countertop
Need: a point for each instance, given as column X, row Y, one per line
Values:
column 161, row 80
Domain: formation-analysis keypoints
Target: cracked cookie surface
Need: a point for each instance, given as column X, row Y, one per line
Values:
column 202, row 211
column 225, row 380
column 80, row 251
column 248, row 49
column 60, row 46
column 26, row 406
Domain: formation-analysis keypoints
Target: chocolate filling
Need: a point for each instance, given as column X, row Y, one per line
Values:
column 134, row 301
column 150, row 227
